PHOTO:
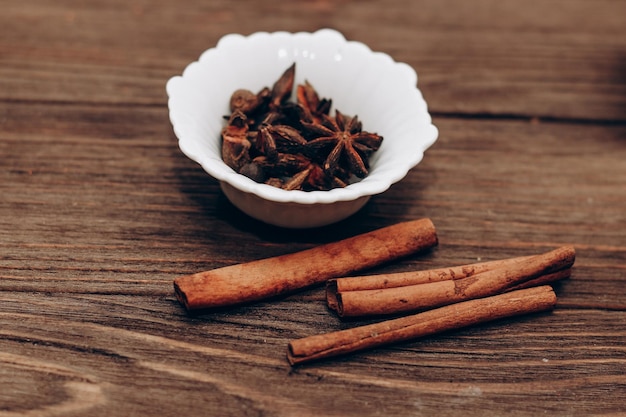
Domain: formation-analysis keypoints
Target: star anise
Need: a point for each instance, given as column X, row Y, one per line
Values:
column 282, row 88
column 283, row 165
column 235, row 143
column 312, row 106
column 268, row 105
column 346, row 140
column 272, row 139
column 312, row 177
column 291, row 172
column 294, row 145
column 247, row 102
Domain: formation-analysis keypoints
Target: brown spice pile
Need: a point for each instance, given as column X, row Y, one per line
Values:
column 295, row 145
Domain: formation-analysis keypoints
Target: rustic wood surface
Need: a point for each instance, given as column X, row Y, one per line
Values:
column 100, row 211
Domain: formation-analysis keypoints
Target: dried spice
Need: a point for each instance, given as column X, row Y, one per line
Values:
column 295, row 145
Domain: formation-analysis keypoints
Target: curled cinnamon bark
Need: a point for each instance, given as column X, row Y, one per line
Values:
column 534, row 270
column 403, row 279
column 438, row 320
column 257, row 280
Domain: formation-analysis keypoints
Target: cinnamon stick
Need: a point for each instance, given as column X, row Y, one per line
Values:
column 543, row 280
column 434, row 294
column 434, row 321
column 403, row 279
column 257, row 280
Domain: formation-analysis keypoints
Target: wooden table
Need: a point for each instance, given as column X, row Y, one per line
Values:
column 100, row 211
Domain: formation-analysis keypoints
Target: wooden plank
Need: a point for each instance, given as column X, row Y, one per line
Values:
column 553, row 60
column 123, row 196
column 235, row 363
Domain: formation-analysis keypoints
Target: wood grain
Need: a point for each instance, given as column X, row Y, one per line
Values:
column 100, row 211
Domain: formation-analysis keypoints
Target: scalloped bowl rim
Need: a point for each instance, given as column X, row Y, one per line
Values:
column 213, row 164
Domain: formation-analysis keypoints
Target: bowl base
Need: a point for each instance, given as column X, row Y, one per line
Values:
column 292, row 215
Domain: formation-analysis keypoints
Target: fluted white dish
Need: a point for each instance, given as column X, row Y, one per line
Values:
column 382, row 92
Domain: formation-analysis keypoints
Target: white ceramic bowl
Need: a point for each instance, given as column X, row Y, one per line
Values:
column 372, row 85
